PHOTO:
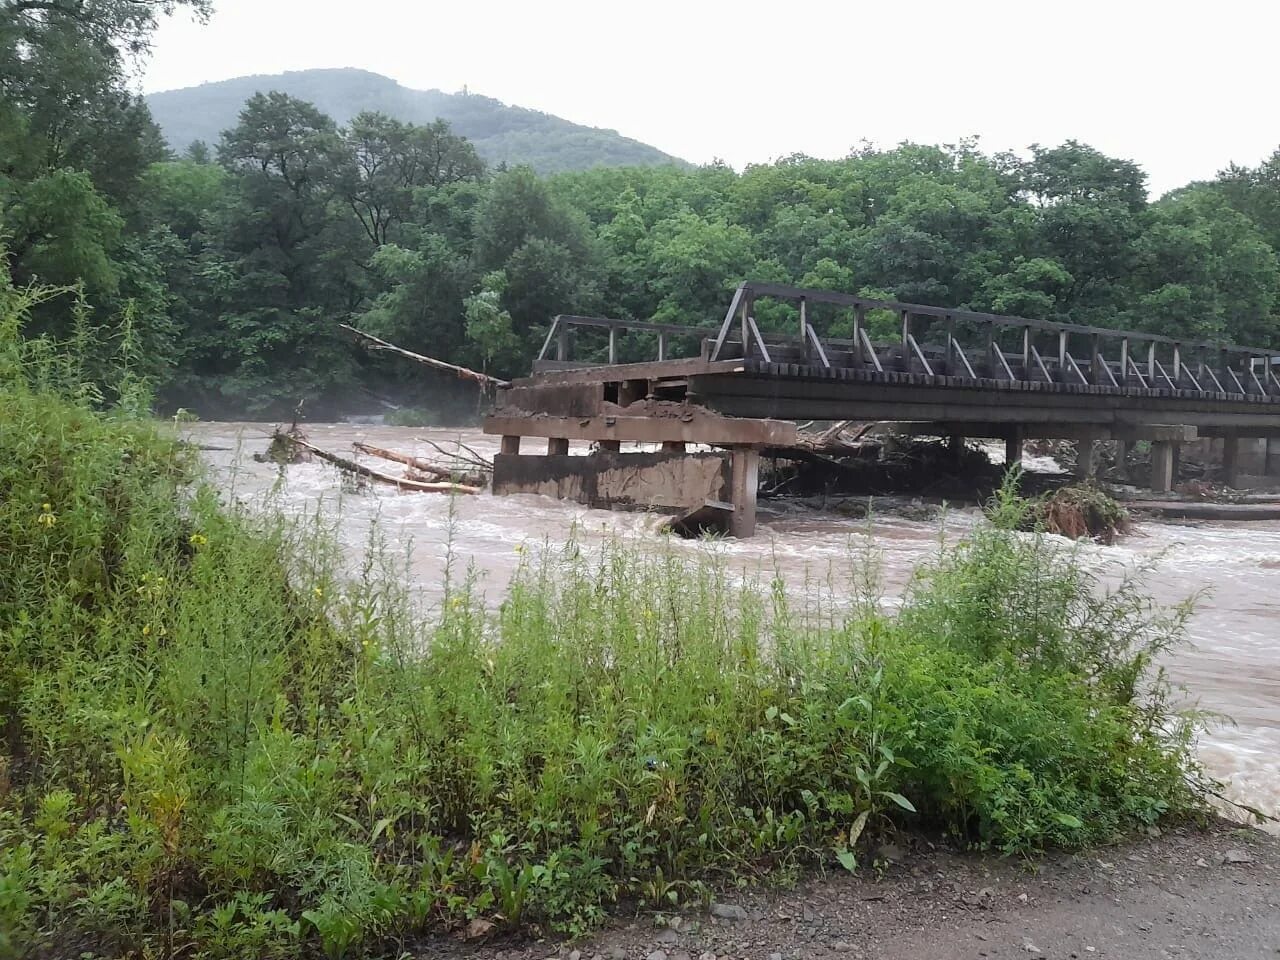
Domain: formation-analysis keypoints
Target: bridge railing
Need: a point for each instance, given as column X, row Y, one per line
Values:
column 931, row 340
column 1044, row 351
column 558, row 346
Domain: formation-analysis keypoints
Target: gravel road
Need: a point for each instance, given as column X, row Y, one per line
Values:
column 1189, row 893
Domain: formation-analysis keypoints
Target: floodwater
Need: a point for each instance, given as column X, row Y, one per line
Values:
column 1232, row 667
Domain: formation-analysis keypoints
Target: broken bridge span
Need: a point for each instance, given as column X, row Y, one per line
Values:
column 949, row 373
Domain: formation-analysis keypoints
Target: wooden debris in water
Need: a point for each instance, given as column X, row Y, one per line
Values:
column 281, row 439
column 426, row 471
column 1079, row 512
column 376, row 343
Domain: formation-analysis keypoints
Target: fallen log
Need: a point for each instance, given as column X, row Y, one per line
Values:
column 428, row 470
column 833, row 440
column 350, row 466
column 376, row 343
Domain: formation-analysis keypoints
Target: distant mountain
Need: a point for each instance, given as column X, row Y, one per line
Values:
column 501, row 133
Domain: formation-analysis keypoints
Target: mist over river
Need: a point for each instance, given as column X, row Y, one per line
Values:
column 1232, row 667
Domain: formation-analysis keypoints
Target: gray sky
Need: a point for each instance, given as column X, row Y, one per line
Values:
column 1181, row 87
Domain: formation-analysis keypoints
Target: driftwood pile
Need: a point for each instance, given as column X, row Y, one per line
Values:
column 843, row 438
column 1080, row 511
column 849, row 458
column 465, row 472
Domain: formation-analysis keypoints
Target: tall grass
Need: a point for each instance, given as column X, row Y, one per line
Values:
column 215, row 745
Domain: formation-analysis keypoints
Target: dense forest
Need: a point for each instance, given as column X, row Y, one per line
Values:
column 227, row 269
column 500, row 133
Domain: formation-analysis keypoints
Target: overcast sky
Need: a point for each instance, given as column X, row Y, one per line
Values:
column 1182, row 87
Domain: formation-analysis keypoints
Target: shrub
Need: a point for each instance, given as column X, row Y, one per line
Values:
column 1078, row 512
column 213, row 743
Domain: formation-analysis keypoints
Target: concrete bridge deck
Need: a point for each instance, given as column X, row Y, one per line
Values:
column 950, row 373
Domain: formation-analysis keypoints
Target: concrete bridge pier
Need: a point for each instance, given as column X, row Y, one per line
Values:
column 1162, row 465
column 1086, row 464
column 1231, row 460
column 720, row 485
column 743, row 484
column 1013, row 449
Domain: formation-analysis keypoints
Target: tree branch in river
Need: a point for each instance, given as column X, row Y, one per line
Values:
column 427, row 469
column 376, row 343
column 350, row 466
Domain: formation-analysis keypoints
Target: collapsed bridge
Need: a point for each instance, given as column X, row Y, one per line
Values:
column 950, row 373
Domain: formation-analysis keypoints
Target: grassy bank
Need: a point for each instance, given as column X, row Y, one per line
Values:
column 215, row 746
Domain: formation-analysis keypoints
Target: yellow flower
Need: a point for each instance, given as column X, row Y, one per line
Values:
column 364, row 643
column 146, row 631
column 46, row 519
column 197, row 540
column 46, row 507
column 519, row 548
column 318, row 592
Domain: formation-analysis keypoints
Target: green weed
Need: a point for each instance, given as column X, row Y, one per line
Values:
column 214, row 744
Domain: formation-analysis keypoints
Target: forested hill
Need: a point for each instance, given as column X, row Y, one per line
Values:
column 220, row 275
column 501, row 133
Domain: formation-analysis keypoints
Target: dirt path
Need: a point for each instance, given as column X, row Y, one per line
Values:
column 1188, row 894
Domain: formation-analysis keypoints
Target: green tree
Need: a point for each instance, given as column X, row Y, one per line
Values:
column 292, row 266
column 696, row 264
column 1205, row 270
column 1255, row 192
column 1091, row 211
column 387, row 162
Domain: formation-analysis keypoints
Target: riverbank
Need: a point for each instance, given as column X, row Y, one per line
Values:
column 1192, row 894
column 223, row 740
column 1231, row 667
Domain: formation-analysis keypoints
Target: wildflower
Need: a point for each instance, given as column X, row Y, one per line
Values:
column 364, row 643
column 146, row 630
column 47, row 517
column 519, row 548
column 197, row 540
column 318, row 593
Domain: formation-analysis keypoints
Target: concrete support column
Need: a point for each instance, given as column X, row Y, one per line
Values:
column 955, row 449
column 510, row 445
column 745, row 481
column 1162, row 452
column 1177, row 461
column 557, row 446
column 1013, row 449
column 1231, row 460
column 1085, row 463
column 1271, row 464
column 1122, row 459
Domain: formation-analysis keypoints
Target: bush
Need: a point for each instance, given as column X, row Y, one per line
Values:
column 1078, row 512
column 214, row 745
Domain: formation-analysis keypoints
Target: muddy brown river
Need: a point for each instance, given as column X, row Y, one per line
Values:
column 1231, row 668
